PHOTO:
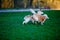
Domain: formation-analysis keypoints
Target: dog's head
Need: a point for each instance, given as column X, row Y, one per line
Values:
column 40, row 12
column 46, row 16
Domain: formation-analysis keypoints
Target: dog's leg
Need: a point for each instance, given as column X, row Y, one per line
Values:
column 26, row 21
column 43, row 22
column 32, row 21
column 23, row 22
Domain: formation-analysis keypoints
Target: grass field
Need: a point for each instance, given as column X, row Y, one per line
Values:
column 11, row 27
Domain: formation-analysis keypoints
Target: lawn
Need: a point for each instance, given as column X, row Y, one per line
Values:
column 11, row 27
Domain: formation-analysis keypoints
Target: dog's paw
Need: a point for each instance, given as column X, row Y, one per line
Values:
column 23, row 23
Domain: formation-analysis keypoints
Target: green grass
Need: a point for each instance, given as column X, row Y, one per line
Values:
column 11, row 27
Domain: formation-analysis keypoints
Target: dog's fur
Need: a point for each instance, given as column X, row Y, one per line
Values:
column 36, row 17
column 40, row 18
column 27, row 19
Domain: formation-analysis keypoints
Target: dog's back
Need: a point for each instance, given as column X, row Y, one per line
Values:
column 41, row 18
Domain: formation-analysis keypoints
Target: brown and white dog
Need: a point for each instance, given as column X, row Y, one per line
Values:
column 40, row 18
column 35, row 17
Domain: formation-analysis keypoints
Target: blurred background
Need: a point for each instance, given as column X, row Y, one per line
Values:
column 45, row 4
column 11, row 27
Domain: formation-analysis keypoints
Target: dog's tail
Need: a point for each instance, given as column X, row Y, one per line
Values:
column 31, row 10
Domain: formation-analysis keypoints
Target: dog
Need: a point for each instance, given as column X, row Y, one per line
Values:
column 40, row 18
